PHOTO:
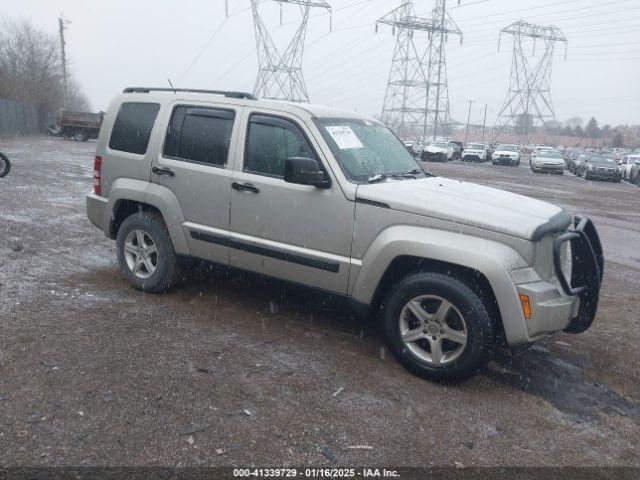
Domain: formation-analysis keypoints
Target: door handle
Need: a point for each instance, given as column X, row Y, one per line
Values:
column 163, row 171
column 245, row 187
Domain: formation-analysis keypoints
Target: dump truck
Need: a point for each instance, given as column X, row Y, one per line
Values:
column 80, row 126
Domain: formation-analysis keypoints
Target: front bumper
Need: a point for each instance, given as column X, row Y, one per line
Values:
column 551, row 311
column 595, row 175
column 96, row 210
column 505, row 160
column 434, row 156
column 571, row 305
column 472, row 157
column 548, row 167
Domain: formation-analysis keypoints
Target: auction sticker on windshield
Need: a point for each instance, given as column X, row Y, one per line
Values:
column 344, row 137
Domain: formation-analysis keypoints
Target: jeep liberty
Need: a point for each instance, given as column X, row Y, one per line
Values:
column 332, row 200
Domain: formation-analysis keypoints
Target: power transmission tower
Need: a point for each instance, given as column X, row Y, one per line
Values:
column 62, row 26
column 416, row 103
column 280, row 75
column 528, row 104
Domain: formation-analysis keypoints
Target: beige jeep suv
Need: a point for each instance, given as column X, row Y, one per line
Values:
column 332, row 200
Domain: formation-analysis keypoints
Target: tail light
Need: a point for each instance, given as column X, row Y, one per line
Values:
column 97, row 171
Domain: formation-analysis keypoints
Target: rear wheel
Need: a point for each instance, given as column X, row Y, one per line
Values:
column 80, row 136
column 5, row 166
column 437, row 327
column 145, row 253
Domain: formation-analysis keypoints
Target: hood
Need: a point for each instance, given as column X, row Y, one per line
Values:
column 435, row 149
column 469, row 204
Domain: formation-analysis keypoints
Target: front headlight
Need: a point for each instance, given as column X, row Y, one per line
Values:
column 590, row 167
column 566, row 260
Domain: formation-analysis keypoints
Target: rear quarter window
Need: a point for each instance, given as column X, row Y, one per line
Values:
column 132, row 129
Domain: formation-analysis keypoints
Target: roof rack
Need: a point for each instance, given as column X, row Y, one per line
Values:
column 243, row 95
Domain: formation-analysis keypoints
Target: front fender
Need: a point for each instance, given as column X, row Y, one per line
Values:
column 492, row 259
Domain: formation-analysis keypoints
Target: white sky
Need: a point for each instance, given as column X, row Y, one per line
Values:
column 117, row 43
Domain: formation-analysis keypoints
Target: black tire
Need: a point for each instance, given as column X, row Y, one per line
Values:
column 168, row 270
column 5, row 165
column 481, row 332
column 80, row 136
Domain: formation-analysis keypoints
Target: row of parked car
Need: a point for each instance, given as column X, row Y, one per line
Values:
column 603, row 165
column 444, row 151
column 593, row 164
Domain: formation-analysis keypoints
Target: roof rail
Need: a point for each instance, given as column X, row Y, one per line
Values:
column 244, row 95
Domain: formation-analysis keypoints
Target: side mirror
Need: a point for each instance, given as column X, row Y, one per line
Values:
column 304, row 171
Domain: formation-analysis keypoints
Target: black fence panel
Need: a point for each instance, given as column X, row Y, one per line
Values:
column 16, row 119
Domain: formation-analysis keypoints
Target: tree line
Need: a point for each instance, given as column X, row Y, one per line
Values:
column 525, row 124
column 573, row 128
column 31, row 71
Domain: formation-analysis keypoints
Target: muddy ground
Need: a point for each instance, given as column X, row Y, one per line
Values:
column 235, row 371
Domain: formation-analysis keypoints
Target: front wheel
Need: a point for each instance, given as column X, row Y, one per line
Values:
column 5, row 165
column 145, row 253
column 437, row 327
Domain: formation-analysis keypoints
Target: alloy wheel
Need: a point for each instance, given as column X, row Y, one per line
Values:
column 141, row 253
column 433, row 329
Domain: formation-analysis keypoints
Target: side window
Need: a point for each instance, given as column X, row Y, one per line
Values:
column 200, row 135
column 132, row 129
column 270, row 141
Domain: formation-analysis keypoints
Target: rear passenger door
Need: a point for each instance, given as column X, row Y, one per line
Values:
column 194, row 165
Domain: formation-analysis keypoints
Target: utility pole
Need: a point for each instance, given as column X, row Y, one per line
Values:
column 416, row 102
column 484, row 122
column 62, row 26
column 280, row 74
column 466, row 137
column 528, row 103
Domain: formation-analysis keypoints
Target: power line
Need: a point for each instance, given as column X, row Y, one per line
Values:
column 202, row 51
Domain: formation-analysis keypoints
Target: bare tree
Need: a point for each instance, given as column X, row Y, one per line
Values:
column 77, row 99
column 30, row 71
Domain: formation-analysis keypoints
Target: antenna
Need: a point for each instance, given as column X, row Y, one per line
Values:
column 172, row 87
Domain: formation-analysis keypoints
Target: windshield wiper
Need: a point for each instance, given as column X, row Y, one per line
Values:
column 404, row 175
column 378, row 178
column 412, row 173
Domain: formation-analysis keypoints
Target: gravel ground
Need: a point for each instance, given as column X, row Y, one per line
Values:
column 235, row 371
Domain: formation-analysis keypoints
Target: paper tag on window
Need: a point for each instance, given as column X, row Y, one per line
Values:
column 344, row 137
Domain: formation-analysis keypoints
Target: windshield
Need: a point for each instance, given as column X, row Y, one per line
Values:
column 439, row 144
column 550, row 154
column 365, row 149
column 475, row 146
column 507, row 148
